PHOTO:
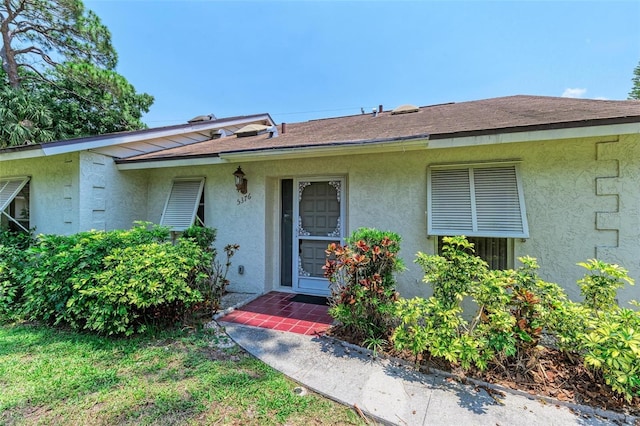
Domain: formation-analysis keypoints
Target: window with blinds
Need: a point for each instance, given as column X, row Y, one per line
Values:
column 477, row 200
column 497, row 252
column 183, row 203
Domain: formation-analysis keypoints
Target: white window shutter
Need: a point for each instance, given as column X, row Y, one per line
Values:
column 498, row 201
column 182, row 204
column 9, row 189
column 481, row 201
column 450, row 202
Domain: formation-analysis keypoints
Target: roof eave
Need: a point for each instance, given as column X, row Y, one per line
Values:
column 405, row 143
column 402, row 143
column 535, row 133
column 159, row 162
column 95, row 142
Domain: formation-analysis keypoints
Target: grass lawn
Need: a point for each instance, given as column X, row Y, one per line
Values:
column 53, row 376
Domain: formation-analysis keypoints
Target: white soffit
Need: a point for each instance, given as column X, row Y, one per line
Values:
column 152, row 140
column 153, row 145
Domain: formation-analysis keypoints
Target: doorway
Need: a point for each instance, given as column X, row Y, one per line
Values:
column 313, row 221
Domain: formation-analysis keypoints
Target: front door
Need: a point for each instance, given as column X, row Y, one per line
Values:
column 319, row 211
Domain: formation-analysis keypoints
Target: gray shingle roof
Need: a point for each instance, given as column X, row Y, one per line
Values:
column 489, row 116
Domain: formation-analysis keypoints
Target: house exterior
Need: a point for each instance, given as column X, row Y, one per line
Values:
column 552, row 178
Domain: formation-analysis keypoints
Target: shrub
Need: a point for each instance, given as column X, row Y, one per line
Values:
column 363, row 286
column 216, row 286
column 609, row 336
column 533, row 303
column 600, row 285
column 436, row 326
column 19, row 240
column 202, row 236
column 514, row 307
column 612, row 346
column 111, row 282
column 140, row 285
column 57, row 262
column 13, row 258
column 213, row 288
column 453, row 274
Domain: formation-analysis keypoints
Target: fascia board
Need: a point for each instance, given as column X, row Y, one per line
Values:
column 534, row 136
column 325, row 150
column 165, row 163
column 53, row 148
column 22, row 155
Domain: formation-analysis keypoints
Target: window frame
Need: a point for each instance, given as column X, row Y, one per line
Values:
column 509, row 250
column 176, row 216
column 475, row 207
column 8, row 197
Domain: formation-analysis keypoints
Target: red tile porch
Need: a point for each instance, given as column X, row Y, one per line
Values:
column 276, row 311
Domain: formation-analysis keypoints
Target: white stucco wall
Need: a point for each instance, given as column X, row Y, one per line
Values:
column 77, row 192
column 54, row 200
column 581, row 196
column 582, row 202
column 581, row 199
column 109, row 198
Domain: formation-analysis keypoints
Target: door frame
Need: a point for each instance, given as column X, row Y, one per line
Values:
column 296, row 260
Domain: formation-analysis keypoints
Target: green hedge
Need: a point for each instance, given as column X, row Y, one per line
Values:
column 115, row 282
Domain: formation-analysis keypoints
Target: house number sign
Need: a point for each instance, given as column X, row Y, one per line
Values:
column 243, row 199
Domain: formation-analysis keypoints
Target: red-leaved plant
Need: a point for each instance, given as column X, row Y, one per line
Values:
column 363, row 287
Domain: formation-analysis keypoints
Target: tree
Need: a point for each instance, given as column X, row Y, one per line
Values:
column 91, row 101
column 41, row 29
column 24, row 118
column 635, row 90
column 57, row 59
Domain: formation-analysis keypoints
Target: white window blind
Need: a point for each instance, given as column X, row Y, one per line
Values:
column 482, row 201
column 9, row 188
column 182, row 204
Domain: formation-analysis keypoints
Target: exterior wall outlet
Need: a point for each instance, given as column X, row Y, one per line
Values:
column 241, row 269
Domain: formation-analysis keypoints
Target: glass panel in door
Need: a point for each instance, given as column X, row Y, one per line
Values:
column 319, row 211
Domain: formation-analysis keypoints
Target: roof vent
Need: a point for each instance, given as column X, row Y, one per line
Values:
column 220, row 133
column 252, row 130
column 201, row 118
column 405, row 109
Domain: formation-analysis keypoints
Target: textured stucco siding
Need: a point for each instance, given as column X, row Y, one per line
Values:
column 581, row 199
column 77, row 192
column 109, row 198
column 559, row 185
column 581, row 196
column 54, row 200
column 236, row 224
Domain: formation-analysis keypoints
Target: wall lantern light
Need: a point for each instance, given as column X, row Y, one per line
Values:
column 241, row 181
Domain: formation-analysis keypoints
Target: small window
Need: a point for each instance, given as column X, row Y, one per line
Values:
column 14, row 204
column 476, row 201
column 184, row 205
column 497, row 252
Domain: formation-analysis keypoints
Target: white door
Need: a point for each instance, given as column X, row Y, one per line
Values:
column 319, row 210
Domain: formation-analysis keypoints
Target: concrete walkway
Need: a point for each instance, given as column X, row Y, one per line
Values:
column 395, row 394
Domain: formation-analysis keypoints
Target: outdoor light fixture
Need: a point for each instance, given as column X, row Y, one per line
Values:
column 241, row 182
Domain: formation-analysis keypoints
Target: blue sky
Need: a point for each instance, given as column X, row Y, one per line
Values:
column 300, row 60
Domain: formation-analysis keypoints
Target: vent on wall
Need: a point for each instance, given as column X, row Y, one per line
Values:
column 405, row 109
